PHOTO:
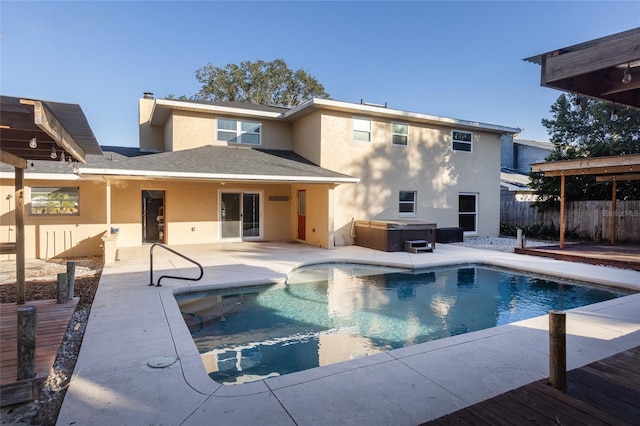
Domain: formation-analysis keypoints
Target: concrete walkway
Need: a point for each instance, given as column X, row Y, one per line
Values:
column 132, row 324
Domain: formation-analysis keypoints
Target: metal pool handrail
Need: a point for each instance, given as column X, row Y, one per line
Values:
column 171, row 276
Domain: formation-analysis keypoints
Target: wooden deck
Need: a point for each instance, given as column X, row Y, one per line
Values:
column 604, row 392
column 53, row 320
column 618, row 255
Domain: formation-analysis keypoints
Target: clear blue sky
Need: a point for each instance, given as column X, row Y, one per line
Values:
column 454, row 59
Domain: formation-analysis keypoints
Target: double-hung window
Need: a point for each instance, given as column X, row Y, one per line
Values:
column 236, row 131
column 461, row 141
column 362, row 130
column 407, row 203
column 399, row 134
column 468, row 212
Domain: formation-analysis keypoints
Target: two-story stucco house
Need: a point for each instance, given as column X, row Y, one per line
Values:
column 207, row 172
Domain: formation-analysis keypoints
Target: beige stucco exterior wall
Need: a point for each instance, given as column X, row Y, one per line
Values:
column 319, row 223
column 151, row 138
column 427, row 165
column 48, row 236
column 307, row 136
column 188, row 129
column 192, row 210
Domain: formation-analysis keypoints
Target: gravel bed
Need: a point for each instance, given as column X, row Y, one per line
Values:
column 504, row 244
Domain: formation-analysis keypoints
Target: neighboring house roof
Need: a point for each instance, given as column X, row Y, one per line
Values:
column 514, row 180
column 162, row 108
column 536, row 144
column 205, row 162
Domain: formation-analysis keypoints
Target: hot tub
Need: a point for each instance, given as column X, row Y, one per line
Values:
column 390, row 235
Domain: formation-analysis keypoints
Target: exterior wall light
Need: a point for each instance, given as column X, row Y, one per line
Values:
column 614, row 114
column 577, row 104
column 54, row 155
column 626, row 78
column 33, row 143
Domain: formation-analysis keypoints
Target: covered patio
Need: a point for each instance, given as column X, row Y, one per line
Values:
column 605, row 69
column 31, row 130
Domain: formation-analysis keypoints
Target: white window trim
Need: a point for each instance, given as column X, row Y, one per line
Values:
column 353, row 129
column 239, row 131
column 459, row 141
column 399, row 134
column 415, row 204
column 476, row 213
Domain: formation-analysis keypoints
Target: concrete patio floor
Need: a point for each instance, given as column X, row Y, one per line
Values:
column 132, row 323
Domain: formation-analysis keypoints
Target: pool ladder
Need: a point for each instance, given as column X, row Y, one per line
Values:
column 171, row 276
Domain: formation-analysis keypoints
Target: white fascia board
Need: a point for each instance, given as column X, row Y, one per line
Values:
column 398, row 114
column 216, row 176
column 190, row 106
column 42, row 176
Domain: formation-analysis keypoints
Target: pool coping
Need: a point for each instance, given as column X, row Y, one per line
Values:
column 407, row 361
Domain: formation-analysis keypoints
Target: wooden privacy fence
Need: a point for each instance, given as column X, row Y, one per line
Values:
column 588, row 220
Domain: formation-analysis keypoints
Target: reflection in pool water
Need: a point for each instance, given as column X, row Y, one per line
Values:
column 336, row 312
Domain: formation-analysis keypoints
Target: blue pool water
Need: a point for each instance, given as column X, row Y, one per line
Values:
column 335, row 312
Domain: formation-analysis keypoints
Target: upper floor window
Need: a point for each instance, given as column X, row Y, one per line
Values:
column 236, row 131
column 399, row 134
column 361, row 130
column 407, row 203
column 461, row 141
column 54, row 201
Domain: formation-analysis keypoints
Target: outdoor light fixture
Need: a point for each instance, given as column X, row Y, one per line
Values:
column 54, row 155
column 614, row 114
column 626, row 78
column 62, row 157
column 577, row 104
column 33, row 143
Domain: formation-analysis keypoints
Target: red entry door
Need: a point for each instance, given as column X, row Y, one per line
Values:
column 302, row 214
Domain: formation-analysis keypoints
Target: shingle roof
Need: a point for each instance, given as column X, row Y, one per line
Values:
column 215, row 162
column 212, row 162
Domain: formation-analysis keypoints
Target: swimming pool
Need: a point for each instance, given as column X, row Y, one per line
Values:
column 334, row 312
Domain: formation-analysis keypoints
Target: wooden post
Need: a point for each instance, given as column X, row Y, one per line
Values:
column 27, row 322
column 20, row 251
column 558, row 350
column 71, row 279
column 562, row 182
column 613, row 211
column 63, row 288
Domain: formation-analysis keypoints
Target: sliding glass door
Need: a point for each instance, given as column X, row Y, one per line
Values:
column 240, row 215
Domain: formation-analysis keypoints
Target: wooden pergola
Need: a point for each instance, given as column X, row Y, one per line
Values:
column 607, row 69
column 31, row 130
column 607, row 169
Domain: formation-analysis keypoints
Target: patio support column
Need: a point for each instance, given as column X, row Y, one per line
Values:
column 108, row 205
column 562, row 182
column 613, row 210
column 20, row 255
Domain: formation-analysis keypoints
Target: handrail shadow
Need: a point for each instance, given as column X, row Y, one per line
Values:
column 171, row 276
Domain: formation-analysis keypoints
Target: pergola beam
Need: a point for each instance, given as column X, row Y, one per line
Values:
column 12, row 160
column 619, row 178
column 44, row 119
column 606, row 54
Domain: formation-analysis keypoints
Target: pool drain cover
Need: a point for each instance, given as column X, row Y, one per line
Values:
column 161, row 361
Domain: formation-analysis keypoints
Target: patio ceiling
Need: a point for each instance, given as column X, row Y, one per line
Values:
column 55, row 126
column 596, row 68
